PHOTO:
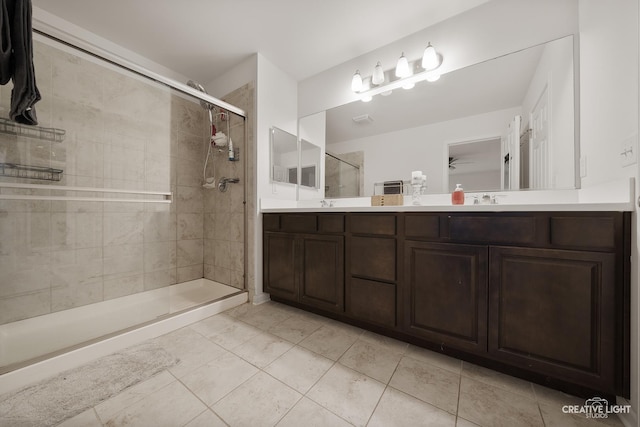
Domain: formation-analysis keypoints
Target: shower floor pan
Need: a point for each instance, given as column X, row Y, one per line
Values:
column 32, row 341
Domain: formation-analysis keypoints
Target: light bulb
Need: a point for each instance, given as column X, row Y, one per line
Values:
column 430, row 60
column 378, row 75
column 402, row 68
column 356, row 82
column 366, row 98
column 408, row 85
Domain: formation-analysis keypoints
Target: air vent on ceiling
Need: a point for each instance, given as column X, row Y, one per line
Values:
column 364, row 118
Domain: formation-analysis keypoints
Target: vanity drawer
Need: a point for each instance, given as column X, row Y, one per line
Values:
column 593, row 232
column 373, row 257
column 271, row 222
column 422, row 226
column 372, row 301
column 331, row 223
column 373, row 224
column 298, row 223
column 493, row 229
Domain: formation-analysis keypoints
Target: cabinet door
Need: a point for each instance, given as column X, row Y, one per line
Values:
column 280, row 271
column 553, row 312
column 446, row 296
column 322, row 274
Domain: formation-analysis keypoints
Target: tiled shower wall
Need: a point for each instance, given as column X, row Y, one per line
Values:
column 224, row 227
column 123, row 132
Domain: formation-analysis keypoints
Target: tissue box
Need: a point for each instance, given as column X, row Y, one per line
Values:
column 387, row 200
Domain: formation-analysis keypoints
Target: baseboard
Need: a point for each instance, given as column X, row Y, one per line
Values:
column 261, row 298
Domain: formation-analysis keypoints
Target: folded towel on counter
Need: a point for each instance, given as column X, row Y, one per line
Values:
column 6, row 57
column 25, row 93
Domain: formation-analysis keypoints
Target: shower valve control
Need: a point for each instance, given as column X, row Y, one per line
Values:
column 222, row 184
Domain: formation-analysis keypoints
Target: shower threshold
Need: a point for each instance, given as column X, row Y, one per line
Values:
column 61, row 340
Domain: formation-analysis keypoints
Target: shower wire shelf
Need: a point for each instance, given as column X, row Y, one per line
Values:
column 38, row 132
column 160, row 197
column 15, row 170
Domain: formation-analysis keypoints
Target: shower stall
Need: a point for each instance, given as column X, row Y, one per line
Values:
column 106, row 219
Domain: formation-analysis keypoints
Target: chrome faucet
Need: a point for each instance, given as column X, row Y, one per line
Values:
column 486, row 199
column 325, row 204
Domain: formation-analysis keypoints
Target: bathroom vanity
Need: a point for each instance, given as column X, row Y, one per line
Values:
column 543, row 295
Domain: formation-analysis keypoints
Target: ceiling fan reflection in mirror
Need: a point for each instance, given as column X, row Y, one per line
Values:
column 453, row 161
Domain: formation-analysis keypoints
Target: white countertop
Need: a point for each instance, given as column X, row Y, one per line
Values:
column 613, row 196
column 554, row 207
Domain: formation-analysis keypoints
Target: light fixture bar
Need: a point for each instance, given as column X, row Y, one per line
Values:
column 415, row 78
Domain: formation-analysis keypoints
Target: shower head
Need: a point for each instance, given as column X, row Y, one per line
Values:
column 199, row 87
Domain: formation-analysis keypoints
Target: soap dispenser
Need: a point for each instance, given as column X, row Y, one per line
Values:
column 457, row 197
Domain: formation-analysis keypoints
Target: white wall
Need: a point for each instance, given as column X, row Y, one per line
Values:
column 608, row 86
column 392, row 156
column 276, row 95
column 609, row 41
column 238, row 76
column 487, row 31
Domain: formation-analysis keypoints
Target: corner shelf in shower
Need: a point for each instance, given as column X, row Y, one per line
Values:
column 44, row 134
column 30, row 172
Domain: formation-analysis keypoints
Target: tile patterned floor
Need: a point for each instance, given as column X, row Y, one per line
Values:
column 273, row 365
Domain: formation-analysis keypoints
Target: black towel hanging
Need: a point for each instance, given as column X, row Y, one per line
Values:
column 16, row 59
column 6, row 57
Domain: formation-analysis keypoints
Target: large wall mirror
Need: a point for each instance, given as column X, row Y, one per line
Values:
column 503, row 124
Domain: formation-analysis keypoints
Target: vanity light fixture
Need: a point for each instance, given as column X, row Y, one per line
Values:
column 368, row 87
column 356, row 82
column 430, row 58
column 402, row 68
column 378, row 74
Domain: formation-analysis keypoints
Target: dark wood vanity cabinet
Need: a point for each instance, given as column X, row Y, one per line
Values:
column 305, row 267
column 541, row 295
column 446, row 294
column 554, row 311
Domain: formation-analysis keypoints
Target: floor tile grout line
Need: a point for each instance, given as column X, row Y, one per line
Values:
column 306, row 394
column 500, row 385
column 210, row 407
column 95, row 413
column 459, row 395
column 377, row 403
column 358, row 338
column 538, row 403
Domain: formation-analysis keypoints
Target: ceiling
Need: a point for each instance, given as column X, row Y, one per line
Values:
column 203, row 39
